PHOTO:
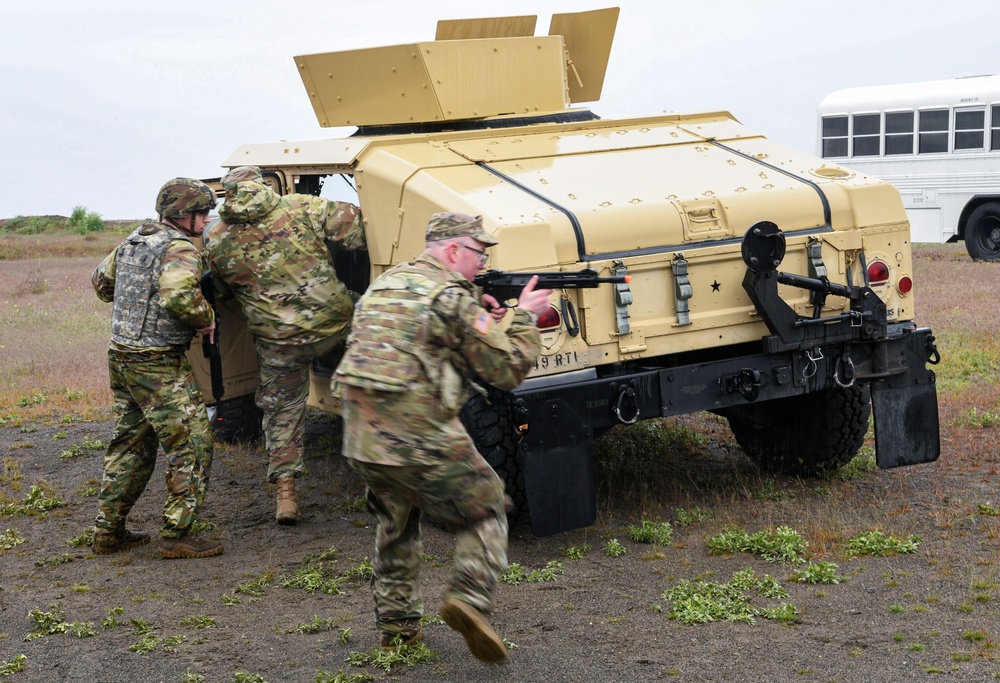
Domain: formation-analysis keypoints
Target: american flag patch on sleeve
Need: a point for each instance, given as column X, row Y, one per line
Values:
column 483, row 322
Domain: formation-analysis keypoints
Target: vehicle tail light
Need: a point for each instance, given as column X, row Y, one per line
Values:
column 878, row 272
column 904, row 285
column 549, row 319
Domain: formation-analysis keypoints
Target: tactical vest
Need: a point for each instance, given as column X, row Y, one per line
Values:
column 138, row 319
column 388, row 348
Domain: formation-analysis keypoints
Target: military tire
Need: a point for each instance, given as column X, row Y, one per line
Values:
column 982, row 232
column 490, row 423
column 236, row 419
column 803, row 435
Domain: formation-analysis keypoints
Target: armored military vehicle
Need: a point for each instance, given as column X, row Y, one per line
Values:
column 764, row 284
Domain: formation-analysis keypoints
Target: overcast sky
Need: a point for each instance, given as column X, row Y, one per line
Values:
column 101, row 101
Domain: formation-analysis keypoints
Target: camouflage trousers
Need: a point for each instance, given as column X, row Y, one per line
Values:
column 282, row 394
column 157, row 403
column 466, row 496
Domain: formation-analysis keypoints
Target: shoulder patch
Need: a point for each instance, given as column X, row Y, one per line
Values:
column 483, row 322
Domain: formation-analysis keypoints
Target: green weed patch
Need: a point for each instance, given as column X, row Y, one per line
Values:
column 316, row 625
column 701, row 602
column 818, row 573
column 19, row 663
column 614, row 549
column 54, row 622
column 341, row 677
column 515, row 573
column 37, row 502
column 691, row 517
column 312, row 578
column 783, row 545
column 11, row 538
column 660, row 533
column 880, row 544
column 387, row 660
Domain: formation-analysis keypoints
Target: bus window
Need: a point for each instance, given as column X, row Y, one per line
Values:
column 969, row 127
column 834, row 136
column 945, row 165
column 933, row 131
column 899, row 132
column 995, row 131
column 867, row 134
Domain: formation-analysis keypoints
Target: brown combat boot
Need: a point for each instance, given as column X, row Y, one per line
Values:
column 106, row 543
column 188, row 547
column 410, row 633
column 288, row 506
column 483, row 642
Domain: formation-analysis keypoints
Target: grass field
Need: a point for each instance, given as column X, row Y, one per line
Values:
column 892, row 575
column 55, row 329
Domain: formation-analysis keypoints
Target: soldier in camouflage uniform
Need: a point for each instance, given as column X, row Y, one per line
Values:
column 269, row 251
column 417, row 332
column 153, row 279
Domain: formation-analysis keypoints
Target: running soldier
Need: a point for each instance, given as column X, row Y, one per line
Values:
column 417, row 332
column 153, row 279
column 269, row 252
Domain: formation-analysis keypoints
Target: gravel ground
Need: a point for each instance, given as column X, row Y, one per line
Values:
column 895, row 618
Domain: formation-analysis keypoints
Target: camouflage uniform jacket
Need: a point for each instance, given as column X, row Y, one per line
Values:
column 417, row 331
column 153, row 278
column 269, row 251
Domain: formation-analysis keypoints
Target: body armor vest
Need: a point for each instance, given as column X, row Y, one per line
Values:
column 388, row 349
column 138, row 319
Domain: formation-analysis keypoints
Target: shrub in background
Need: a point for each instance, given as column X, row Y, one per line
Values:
column 85, row 222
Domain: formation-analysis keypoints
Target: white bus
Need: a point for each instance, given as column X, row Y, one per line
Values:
column 938, row 142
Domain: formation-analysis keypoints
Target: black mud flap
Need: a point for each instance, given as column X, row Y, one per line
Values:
column 557, row 455
column 906, row 424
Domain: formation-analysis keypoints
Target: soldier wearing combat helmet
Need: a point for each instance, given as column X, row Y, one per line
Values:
column 153, row 280
column 418, row 332
column 269, row 251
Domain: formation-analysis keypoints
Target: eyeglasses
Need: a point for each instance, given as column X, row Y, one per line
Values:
column 483, row 256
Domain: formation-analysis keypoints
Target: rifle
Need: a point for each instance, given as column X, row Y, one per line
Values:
column 504, row 286
column 211, row 349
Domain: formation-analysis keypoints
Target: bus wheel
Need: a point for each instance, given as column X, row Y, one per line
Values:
column 982, row 232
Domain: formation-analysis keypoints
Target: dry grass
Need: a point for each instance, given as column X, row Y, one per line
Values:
column 52, row 350
column 957, row 298
column 63, row 245
column 54, row 340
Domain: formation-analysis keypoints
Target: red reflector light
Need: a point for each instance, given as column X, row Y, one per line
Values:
column 904, row 285
column 549, row 319
column 878, row 272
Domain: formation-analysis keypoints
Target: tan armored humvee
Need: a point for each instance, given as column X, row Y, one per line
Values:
column 764, row 284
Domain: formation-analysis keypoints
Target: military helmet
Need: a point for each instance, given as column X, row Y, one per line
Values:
column 181, row 197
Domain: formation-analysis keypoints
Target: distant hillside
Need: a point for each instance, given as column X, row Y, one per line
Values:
column 38, row 225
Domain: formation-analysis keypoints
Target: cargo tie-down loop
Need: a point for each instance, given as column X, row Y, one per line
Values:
column 932, row 349
column 630, row 394
column 810, row 369
column 849, row 373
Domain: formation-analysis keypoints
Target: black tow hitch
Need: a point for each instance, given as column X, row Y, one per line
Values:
column 763, row 251
column 903, row 390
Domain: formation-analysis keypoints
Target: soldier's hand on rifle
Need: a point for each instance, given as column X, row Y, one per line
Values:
column 497, row 310
column 534, row 300
column 210, row 331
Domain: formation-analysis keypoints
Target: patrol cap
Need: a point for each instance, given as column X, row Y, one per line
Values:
column 448, row 225
column 241, row 173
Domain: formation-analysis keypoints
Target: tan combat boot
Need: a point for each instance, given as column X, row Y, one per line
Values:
column 288, row 506
column 483, row 642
